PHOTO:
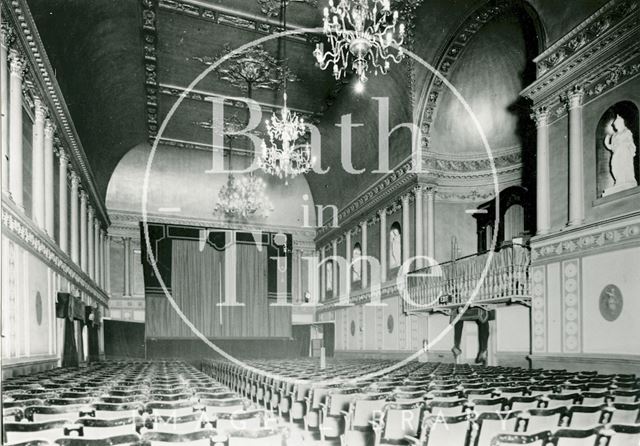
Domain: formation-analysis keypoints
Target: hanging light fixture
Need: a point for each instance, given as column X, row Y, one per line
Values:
column 243, row 197
column 281, row 156
column 362, row 33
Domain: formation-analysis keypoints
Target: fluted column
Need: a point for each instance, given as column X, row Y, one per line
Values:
column 347, row 251
column 322, row 276
column 127, row 266
column 107, row 261
column 576, row 164
column 37, row 164
column 431, row 223
column 75, row 226
column 405, row 228
column 63, row 201
column 543, row 198
column 103, row 263
column 49, row 197
column 336, row 269
column 90, row 246
column 16, row 66
column 96, row 251
column 383, row 245
column 419, row 242
column 365, row 265
column 83, row 231
column 4, row 104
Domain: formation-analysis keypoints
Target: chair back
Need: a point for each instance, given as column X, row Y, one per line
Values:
column 366, row 408
column 446, row 430
column 239, row 421
column 584, row 417
column 120, row 440
column 490, row 424
column 621, row 435
column 576, row 437
column 537, row 439
column 524, row 402
column 197, row 438
column 623, row 413
column 23, row 432
column 102, row 428
column 400, row 420
column 447, row 408
column 266, row 436
column 488, row 405
column 537, row 420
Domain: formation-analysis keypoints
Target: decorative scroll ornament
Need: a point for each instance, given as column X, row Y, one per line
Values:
column 244, row 197
column 252, row 68
column 282, row 157
column 362, row 33
column 232, row 128
column 272, row 8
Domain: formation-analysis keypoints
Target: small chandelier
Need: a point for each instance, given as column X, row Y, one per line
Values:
column 282, row 157
column 360, row 32
column 243, row 197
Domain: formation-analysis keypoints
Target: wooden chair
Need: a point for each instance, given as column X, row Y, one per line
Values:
column 535, row 420
column 23, row 432
column 400, row 423
column 576, row 437
column 101, row 428
column 487, row 425
column 584, row 417
column 445, row 430
column 120, row 440
column 365, row 410
column 332, row 420
column 204, row 437
column 620, row 435
column 537, row 439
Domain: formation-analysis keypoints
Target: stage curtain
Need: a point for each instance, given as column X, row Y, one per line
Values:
column 302, row 336
column 69, row 352
column 328, row 337
column 251, row 290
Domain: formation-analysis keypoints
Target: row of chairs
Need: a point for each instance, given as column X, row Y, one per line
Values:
column 361, row 409
column 142, row 403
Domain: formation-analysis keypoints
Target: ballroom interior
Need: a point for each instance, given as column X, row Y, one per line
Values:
column 320, row 222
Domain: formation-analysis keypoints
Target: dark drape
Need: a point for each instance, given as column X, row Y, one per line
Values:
column 302, row 335
column 69, row 351
column 123, row 339
column 328, row 336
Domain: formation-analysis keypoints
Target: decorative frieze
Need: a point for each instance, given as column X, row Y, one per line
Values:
column 38, row 243
column 538, row 308
column 571, row 293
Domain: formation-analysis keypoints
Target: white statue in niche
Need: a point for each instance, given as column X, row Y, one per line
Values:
column 619, row 141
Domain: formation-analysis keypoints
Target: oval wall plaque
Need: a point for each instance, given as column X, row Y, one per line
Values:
column 38, row 308
column 611, row 302
column 390, row 324
column 353, row 328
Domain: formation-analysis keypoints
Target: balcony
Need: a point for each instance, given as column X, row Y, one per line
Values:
column 484, row 279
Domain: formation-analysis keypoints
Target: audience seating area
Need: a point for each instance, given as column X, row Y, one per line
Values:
column 295, row 402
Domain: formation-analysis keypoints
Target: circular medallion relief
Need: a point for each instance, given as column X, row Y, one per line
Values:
column 353, row 328
column 611, row 302
column 390, row 324
column 38, row 308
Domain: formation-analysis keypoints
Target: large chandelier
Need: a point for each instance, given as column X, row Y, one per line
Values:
column 360, row 33
column 243, row 197
column 282, row 157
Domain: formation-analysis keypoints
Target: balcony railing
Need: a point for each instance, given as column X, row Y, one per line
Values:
column 485, row 278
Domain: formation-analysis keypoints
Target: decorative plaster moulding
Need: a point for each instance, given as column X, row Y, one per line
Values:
column 597, row 55
column 40, row 81
column 581, row 240
column 34, row 240
column 127, row 224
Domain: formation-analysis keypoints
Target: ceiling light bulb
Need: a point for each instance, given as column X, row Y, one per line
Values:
column 359, row 87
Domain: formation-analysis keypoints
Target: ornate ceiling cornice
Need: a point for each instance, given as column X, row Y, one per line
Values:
column 599, row 48
column 150, row 38
column 271, row 8
column 217, row 14
column 41, row 81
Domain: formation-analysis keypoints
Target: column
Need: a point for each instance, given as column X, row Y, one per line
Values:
column 382, row 213
column 63, row 192
column 83, row 230
column 127, row 266
column 4, row 104
column 49, row 198
column 107, row 266
column 75, row 227
column 336, row 269
column 90, row 247
column 431, row 223
column 37, row 164
column 348, row 251
column 365, row 265
column 322, row 276
column 103, row 263
column 96, row 251
column 543, row 203
column 419, row 227
column 405, row 228
column 576, row 183
column 17, row 66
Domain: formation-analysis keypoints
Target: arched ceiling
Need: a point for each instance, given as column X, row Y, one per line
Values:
column 121, row 68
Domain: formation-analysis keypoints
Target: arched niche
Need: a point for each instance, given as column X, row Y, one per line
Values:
column 628, row 111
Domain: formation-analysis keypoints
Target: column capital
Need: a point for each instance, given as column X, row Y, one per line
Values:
column 382, row 212
column 90, row 211
column 49, row 128
column 62, row 155
column 96, row 223
column 40, row 109
column 541, row 116
column 17, row 63
column 75, row 179
column 6, row 34
column 83, row 196
column 363, row 224
column 405, row 199
column 574, row 96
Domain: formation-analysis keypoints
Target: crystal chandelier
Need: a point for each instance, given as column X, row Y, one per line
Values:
column 243, row 197
column 282, row 157
column 360, row 33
